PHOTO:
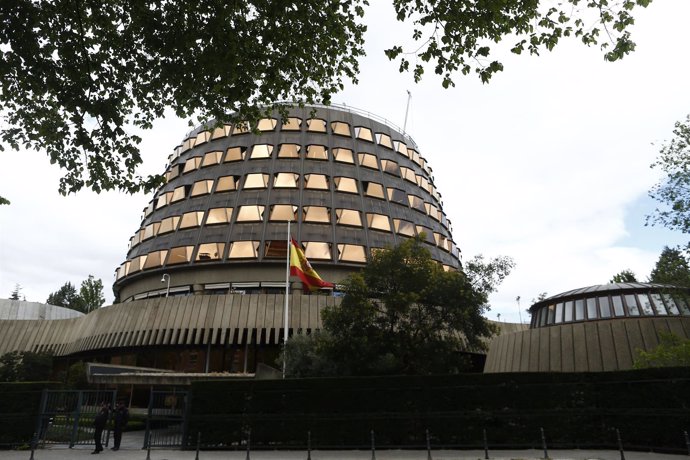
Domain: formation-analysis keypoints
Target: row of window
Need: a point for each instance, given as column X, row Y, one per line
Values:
column 603, row 307
column 283, row 213
column 315, row 125
column 313, row 152
column 289, row 180
column 238, row 250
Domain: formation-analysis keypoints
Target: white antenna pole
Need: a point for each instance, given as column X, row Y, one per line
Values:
column 287, row 294
column 407, row 110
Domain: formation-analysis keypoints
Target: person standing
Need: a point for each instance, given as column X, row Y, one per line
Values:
column 120, row 419
column 99, row 423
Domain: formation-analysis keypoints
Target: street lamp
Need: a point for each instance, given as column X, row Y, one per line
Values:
column 165, row 278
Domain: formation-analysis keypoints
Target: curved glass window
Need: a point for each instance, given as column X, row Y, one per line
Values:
column 168, row 224
column 424, row 183
column 191, row 219
column 218, row 216
column 289, row 151
column 414, row 156
column 384, row 139
column 345, row 184
column 316, row 214
column 285, row 180
column 180, row 255
column 316, row 125
column 351, row 253
column 191, row 164
column 378, row 222
column 244, row 250
column 210, row 251
column 283, row 212
column 250, row 213
column 633, row 306
column 162, row 201
column 397, row 196
column 341, row 128
column 275, row 249
column 202, row 187
column 211, row 158
column 292, row 124
column 348, row 217
column 428, row 234
column 267, row 124
column 363, row 133
column 151, row 230
column 368, row 160
column 155, row 259
column 317, row 250
column 408, row 174
column 317, row 152
column 261, row 151
column 137, row 263
column 235, row 154
column 256, row 181
column 400, row 147
column 180, row 193
column 390, row 167
column 374, row 190
column 316, row 181
column 433, row 211
column 343, row 155
column 172, row 173
column 202, row 137
column 403, row 227
column 241, row 127
column 227, row 183
column 123, row 270
column 416, row 203
column 221, row 131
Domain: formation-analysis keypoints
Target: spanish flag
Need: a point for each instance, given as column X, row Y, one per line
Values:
column 300, row 266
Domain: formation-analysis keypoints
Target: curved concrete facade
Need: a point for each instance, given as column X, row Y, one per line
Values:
column 17, row 309
column 594, row 346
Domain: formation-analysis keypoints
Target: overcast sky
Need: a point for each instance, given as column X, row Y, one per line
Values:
column 548, row 164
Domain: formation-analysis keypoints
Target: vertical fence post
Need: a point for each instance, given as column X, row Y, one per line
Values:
column 198, row 444
column 147, row 441
column 687, row 441
column 620, row 444
column 75, row 426
column 428, row 445
column 33, row 445
column 249, row 443
column 308, row 445
column 543, row 443
column 373, row 446
column 486, row 445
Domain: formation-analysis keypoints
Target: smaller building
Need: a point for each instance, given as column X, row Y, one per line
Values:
column 591, row 329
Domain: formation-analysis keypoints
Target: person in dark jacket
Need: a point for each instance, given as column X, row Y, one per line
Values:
column 120, row 419
column 99, row 423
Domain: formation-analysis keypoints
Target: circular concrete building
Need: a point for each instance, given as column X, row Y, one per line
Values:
column 592, row 329
column 349, row 182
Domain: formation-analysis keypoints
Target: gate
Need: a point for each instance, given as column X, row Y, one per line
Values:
column 166, row 421
column 67, row 416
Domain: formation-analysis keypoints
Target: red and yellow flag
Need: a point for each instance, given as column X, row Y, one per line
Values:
column 300, row 266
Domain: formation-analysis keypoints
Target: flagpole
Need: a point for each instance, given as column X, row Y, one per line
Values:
column 287, row 293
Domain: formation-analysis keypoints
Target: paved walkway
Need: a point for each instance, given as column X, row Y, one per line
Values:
column 132, row 442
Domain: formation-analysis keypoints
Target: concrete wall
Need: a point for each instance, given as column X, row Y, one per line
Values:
column 593, row 346
column 17, row 309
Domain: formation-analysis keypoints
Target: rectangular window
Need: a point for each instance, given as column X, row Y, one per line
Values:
column 658, row 304
column 579, row 310
column 618, row 309
column 633, row 306
column 559, row 313
column 210, row 251
column 568, row 312
column 592, row 308
column 645, row 304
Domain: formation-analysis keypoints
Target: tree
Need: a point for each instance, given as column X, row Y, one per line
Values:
column 671, row 268
column 673, row 190
column 404, row 314
column 625, row 276
column 66, row 297
column 672, row 351
column 91, row 294
column 25, row 366
column 15, row 292
column 77, row 77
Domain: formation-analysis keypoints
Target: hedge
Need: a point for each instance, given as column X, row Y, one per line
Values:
column 20, row 404
column 650, row 408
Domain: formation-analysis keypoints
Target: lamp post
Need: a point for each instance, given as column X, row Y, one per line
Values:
column 165, row 278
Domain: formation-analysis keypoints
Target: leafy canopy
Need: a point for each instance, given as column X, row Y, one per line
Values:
column 671, row 268
column 672, row 351
column 673, row 190
column 89, row 297
column 77, row 77
column 403, row 314
column 625, row 276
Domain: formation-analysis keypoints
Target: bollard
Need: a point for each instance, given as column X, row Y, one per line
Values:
column 373, row 446
column 249, row 443
column 428, row 445
column 34, row 441
column 543, row 443
column 486, row 446
column 198, row 444
column 620, row 444
column 308, row 445
column 687, row 441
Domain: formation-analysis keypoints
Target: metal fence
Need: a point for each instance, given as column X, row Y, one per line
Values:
column 166, row 419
